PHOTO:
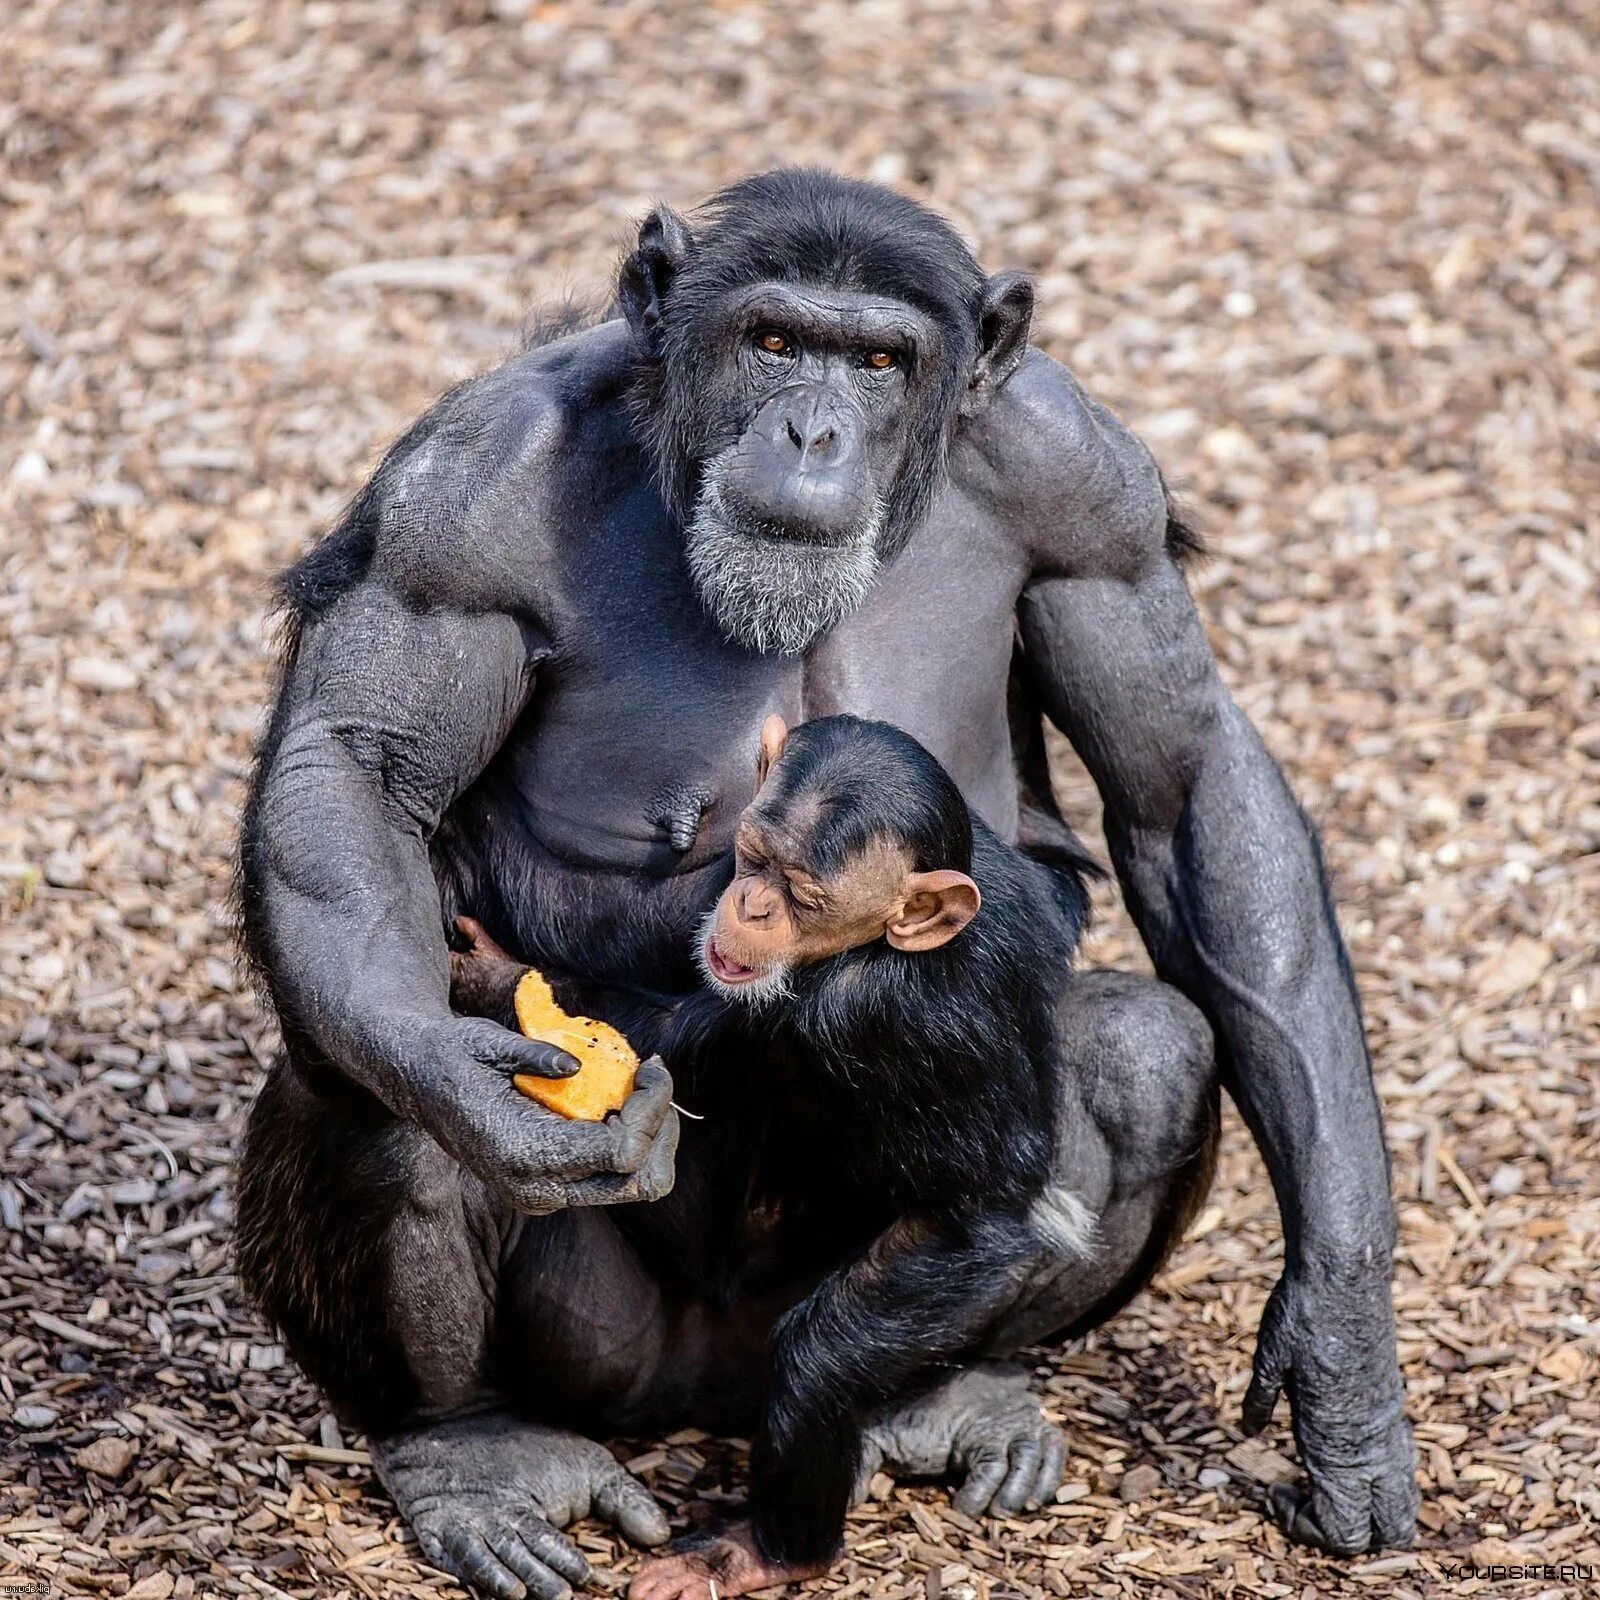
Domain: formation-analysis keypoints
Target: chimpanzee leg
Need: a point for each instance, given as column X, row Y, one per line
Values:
column 1137, row 1148
column 398, row 1284
column 1137, row 1156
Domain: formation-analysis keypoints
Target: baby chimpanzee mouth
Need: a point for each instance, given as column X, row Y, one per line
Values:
column 725, row 967
column 752, row 986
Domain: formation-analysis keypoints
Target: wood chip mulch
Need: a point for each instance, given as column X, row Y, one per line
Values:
column 1336, row 262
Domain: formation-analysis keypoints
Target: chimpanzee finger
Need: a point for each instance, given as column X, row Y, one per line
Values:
column 1014, row 1492
column 661, row 1170
column 472, row 1559
column 871, row 1461
column 499, row 1047
column 1052, row 1467
column 555, row 1550
column 514, row 1554
column 591, row 1188
column 1341, row 1530
column 1394, row 1510
column 435, row 1554
column 1266, row 1384
column 1271, row 1366
column 642, row 1115
column 477, row 937
column 986, row 1471
column 630, row 1508
column 610, row 1155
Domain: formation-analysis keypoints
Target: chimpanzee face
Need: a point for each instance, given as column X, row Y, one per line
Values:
column 816, row 392
column 778, row 915
column 816, row 387
column 797, row 897
column 805, row 355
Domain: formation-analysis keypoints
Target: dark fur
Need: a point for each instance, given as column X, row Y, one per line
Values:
column 947, row 1116
column 903, row 1105
column 946, row 1051
column 311, row 1244
column 801, row 225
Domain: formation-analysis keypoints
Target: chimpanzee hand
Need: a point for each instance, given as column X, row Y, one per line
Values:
column 1330, row 1344
column 459, row 1073
column 983, row 1425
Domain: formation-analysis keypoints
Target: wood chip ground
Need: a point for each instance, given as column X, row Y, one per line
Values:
column 1336, row 262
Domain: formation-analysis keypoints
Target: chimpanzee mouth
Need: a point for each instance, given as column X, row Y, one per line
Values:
column 725, row 967
column 731, row 978
column 767, row 589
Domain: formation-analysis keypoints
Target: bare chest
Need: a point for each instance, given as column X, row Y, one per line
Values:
column 639, row 749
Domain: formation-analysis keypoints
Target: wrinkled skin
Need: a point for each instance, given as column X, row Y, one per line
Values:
column 983, row 1431
column 518, row 1485
column 503, row 700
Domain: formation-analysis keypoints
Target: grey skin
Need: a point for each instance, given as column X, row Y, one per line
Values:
column 522, row 688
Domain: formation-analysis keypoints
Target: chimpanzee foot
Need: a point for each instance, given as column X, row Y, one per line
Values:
column 713, row 1567
column 983, row 1427
column 485, row 1493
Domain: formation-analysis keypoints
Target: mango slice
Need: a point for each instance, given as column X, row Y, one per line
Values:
column 608, row 1064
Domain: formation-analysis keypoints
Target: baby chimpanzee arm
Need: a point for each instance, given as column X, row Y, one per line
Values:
column 918, row 1297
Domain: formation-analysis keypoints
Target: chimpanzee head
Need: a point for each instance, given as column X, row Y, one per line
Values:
column 856, row 835
column 806, row 348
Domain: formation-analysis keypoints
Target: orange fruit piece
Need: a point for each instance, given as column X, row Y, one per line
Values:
column 607, row 1063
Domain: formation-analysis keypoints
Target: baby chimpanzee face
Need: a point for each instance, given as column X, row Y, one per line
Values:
column 798, row 898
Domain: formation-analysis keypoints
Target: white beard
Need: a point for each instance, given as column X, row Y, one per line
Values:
column 769, row 592
column 772, row 986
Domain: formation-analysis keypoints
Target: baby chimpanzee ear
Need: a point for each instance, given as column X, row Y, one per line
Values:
column 938, row 906
column 774, row 731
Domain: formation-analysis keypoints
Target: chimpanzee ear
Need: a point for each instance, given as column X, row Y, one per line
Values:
column 774, row 731
column 648, row 272
column 938, row 906
column 1002, row 336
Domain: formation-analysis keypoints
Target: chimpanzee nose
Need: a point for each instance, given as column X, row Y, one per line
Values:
column 813, row 438
column 801, row 466
column 757, row 903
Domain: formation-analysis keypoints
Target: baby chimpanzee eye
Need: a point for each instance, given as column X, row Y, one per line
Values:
column 803, row 894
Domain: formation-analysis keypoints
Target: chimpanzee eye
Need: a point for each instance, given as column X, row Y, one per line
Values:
column 878, row 360
column 802, row 894
column 775, row 342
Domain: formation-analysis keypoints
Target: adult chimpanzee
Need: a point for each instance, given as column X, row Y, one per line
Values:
column 812, row 467
column 921, row 1070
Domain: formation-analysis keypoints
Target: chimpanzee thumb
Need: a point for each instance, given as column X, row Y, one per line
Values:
column 1271, row 1364
column 495, row 1046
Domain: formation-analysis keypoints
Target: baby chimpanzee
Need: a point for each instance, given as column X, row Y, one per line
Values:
column 873, row 925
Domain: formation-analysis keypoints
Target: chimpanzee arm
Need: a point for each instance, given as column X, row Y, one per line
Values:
column 387, row 711
column 921, row 1294
column 1223, row 877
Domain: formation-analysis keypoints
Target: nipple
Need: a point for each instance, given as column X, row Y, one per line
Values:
column 678, row 814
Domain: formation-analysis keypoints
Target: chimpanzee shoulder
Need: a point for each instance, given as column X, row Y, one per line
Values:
column 1083, row 490
column 465, row 504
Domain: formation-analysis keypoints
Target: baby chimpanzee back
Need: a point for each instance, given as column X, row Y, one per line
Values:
column 875, row 921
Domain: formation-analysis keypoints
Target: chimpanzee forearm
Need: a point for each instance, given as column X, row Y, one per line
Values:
column 1223, row 878
column 918, row 1297
column 386, row 714
column 365, row 752
column 1279, row 991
